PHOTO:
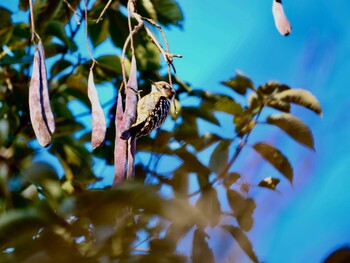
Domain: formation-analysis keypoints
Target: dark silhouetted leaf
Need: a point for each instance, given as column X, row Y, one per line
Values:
column 202, row 113
column 201, row 252
column 168, row 12
column 276, row 158
column 294, row 127
column 272, row 87
column 300, row 97
column 239, row 84
column 219, row 157
column 242, row 240
column 56, row 29
column 269, row 183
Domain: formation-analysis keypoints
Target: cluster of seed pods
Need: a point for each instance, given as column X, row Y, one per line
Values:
column 41, row 115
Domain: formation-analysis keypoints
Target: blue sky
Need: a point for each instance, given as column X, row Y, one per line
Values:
column 306, row 221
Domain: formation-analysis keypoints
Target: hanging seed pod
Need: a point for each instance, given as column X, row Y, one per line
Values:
column 281, row 21
column 39, row 105
column 98, row 118
column 45, row 91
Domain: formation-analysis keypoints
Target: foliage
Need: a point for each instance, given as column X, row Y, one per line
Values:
column 51, row 217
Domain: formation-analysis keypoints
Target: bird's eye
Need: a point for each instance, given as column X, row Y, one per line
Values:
column 165, row 86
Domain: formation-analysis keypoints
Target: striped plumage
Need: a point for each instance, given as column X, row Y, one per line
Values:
column 152, row 110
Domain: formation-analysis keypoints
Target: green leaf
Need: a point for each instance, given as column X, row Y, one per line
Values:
column 117, row 21
column 243, row 209
column 66, row 127
column 228, row 105
column 230, row 179
column 168, row 12
column 276, row 158
column 301, row 97
column 201, row 252
column 56, row 28
column 294, row 127
column 59, row 66
column 239, row 83
column 279, row 105
column 192, row 164
column 269, row 183
column 111, row 64
column 272, row 87
column 209, row 204
column 148, row 6
column 242, row 240
column 219, row 157
column 202, row 113
column 98, row 32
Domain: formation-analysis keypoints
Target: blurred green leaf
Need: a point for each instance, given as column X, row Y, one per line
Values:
column 269, row 183
column 209, row 204
column 294, row 127
column 98, row 32
column 56, row 28
column 219, row 158
column 243, row 209
column 202, row 113
column 242, row 240
column 301, row 97
column 168, row 12
column 200, row 248
column 276, row 158
column 230, row 179
column 239, row 83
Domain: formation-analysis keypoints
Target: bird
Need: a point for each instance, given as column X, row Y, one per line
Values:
column 152, row 110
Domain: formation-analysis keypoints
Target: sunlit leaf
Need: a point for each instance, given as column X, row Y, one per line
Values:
column 242, row 240
column 239, row 83
column 294, row 127
column 301, row 97
column 269, row 183
column 200, row 248
column 228, row 105
column 276, row 158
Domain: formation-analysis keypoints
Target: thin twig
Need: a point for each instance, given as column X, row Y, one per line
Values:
column 170, row 65
column 87, row 36
column 131, row 5
column 76, row 16
column 103, row 11
column 32, row 22
column 136, row 28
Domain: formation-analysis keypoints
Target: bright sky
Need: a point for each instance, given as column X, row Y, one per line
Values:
column 308, row 220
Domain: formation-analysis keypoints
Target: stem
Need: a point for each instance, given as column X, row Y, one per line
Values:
column 87, row 36
column 103, row 11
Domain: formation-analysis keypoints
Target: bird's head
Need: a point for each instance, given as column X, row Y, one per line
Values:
column 165, row 88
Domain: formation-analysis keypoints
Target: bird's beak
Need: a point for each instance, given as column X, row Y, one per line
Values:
column 152, row 82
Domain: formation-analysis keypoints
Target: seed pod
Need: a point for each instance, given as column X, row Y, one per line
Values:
column 281, row 21
column 48, row 115
column 39, row 105
column 98, row 118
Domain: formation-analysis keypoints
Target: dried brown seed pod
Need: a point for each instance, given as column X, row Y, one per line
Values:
column 98, row 117
column 39, row 105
